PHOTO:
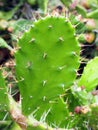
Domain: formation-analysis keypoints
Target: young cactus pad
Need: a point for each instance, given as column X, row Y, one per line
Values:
column 46, row 65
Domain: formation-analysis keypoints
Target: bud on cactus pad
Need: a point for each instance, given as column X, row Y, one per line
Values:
column 46, row 66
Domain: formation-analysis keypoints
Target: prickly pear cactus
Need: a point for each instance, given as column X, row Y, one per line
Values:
column 46, row 66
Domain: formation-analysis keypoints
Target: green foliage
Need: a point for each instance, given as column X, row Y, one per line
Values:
column 32, row 2
column 93, row 117
column 93, row 4
column 93, row 14
column 66, row 2
column 19, row 27
column 8, row 15
column 42, row 4
column 81, row 10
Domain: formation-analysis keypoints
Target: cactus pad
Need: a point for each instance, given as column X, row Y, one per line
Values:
column 89, row 78
column 3, row 98
column 46, row 65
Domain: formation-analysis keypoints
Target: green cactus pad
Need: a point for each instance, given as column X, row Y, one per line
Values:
column 46, row 64
column 56, row 119
column 89, row 78
column 3, row 98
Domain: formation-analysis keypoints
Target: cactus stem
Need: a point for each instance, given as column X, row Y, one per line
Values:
column 44, row 55
column 61, row 39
